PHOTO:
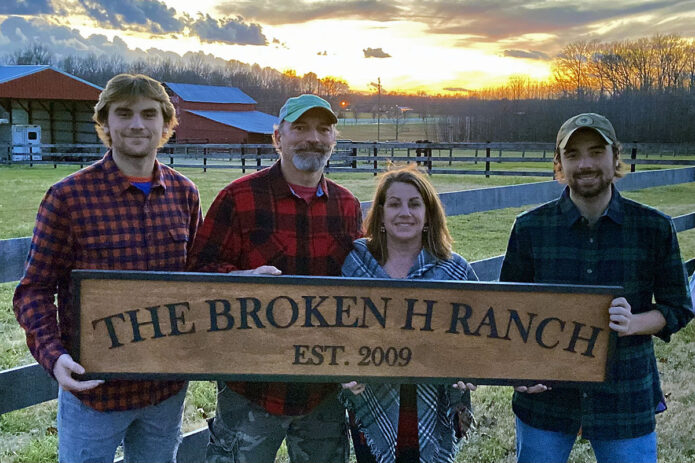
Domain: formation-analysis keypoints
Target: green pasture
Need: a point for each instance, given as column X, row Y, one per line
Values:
column 387, row 132
column 29, row 435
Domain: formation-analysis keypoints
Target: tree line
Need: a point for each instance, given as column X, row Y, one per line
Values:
column 645, row 86
column 268, row 86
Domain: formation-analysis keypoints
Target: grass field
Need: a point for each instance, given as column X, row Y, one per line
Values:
column 387, row 132
column 29, row 435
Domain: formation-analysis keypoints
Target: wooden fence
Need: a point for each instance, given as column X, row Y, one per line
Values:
column 28, row 385
column 371, row 157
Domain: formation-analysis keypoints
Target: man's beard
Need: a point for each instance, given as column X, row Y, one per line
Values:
column 590, row 191
column 311, row 157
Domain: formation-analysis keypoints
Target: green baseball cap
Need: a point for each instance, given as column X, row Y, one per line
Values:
column 296, row 106
column 593, row 121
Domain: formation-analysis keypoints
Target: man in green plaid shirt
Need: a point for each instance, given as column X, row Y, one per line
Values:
column 592, row 235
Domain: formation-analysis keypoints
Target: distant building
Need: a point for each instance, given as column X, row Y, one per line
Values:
column 216, row 114
column 60, row 104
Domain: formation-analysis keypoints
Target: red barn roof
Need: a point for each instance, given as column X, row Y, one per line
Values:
column 44, row 83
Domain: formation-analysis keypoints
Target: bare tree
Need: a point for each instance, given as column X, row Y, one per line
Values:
column 35, row 53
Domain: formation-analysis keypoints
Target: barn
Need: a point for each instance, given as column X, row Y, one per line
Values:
column 55, row 105
column 218, row 114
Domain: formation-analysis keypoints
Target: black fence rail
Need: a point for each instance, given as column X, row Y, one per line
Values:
column 370, row 157
column 29, row 385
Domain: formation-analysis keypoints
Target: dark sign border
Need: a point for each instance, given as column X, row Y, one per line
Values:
column 79, row 275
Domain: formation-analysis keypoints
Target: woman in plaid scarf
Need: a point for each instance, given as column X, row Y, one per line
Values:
column 406, row 237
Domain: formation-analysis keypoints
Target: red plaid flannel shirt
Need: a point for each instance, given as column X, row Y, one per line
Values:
column 95, row 219
column 257, row 220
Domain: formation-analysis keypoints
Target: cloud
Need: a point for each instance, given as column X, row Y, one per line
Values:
column 21, row 32
column 495, row 20
column 148, row 15
column 26, row 7
column 527, row 25
column 375, row 53
column 518, row 25
column 228, row 30
column 155, row 17
column 526, row 54
column 17, row 33
column 301, row 11
column 456, row 89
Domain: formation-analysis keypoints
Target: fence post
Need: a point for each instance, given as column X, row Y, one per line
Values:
column 258, row 158
column 451, row 155
column 205, row 159
column 354, row 158
column 633, row 156
column 428, row 153
column 376, row 163
column 476, row 156
column 487, row 161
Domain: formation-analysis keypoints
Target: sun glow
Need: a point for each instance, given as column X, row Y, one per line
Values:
column 411, row 59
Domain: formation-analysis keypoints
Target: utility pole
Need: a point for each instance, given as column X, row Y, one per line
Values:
column 378, row 107
column 378, row 110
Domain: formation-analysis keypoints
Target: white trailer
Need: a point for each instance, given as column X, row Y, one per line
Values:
column 26, row 142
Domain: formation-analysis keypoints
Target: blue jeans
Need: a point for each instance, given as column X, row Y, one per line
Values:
column 535, row 445
column 149, row 435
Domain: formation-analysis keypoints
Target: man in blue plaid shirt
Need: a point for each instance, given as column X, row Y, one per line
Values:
column 592, row 235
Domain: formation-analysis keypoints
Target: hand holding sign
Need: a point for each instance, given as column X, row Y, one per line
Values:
column 535, row 389
column 64, row 367
column 262, row 270
column 464, row 386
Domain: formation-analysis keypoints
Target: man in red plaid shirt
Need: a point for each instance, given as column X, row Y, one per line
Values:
column 124, row 212
column 286, row 219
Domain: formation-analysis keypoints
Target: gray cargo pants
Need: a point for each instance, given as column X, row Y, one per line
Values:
column 243, row 432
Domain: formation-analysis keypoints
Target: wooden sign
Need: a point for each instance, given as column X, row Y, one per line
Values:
column 288, row 328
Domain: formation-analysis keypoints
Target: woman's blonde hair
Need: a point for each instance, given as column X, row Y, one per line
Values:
column 436, row 240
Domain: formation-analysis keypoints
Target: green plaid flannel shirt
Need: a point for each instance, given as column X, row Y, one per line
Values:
column 633, row 246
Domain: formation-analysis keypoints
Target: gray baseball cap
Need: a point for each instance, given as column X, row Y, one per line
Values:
column 593, row 121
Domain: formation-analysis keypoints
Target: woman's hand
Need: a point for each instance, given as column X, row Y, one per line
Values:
column 355, row 387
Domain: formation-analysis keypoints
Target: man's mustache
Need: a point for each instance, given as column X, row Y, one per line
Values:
column 313, row 147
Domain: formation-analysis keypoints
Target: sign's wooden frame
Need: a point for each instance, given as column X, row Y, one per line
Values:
column 200, row 326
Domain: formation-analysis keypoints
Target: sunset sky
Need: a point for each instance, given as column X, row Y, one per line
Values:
column 430, row 45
